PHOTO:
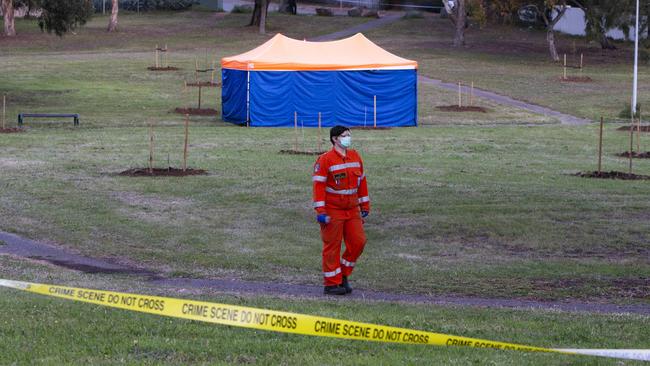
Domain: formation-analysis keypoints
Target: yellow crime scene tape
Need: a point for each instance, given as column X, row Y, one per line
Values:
column 279, row 321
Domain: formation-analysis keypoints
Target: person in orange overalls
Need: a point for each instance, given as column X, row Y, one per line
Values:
column 340, row 194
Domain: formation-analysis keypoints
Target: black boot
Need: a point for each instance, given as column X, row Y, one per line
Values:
column 334, row 290
column 346, row 285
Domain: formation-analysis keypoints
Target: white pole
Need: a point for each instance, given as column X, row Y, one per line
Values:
column 636, row 60
column 248, row 98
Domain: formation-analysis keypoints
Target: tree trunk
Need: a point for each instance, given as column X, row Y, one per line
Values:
column 112, row 23
column 256, row 18
column 550, row 38
column 8, row 12
column 605, row 43
column 264, row 9
column 550, row 24
column 257, row 11
column 461, row 23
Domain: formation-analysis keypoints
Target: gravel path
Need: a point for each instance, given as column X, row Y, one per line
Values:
column 18, row 246
column 564, row 118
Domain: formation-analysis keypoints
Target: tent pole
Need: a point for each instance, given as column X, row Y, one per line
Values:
column 248, row 98
column 375, row 107
column 319, row 135
column 295, row 131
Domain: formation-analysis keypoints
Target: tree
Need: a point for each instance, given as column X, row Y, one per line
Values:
column 458, row 15
column 112, row 22
column 259, row 15
column 601, row 16
column 58, row 16
column 62, row 16
column 8, row 14
column 551, row 12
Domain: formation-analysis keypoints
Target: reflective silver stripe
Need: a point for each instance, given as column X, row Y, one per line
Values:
column 319, row 178
column 342, row 191
column 364, row 199
column 319, row 203
column 346, row 263
column 343, row 166
column 362, row 177
column 333, row 273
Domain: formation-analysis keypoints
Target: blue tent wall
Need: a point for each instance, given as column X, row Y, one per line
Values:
column 342, row 97
column 233, row 96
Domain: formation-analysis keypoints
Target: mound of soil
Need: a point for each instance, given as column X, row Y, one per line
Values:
column 612, row 175
column 627, row 128
column 576, row 79
column 301, row 152
column 455, row 108
column 205, row 84
column 197, row 111
column 161, row 172
column 635, row 155
column 167, row 68
column 370, row 128
column 12, row 130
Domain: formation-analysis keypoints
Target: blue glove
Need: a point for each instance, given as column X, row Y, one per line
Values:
column 323, row 219
column 364, row 213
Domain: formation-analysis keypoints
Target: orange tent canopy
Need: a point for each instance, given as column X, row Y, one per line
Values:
column 287, row 54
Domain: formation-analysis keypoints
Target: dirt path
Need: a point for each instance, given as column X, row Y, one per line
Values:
column 12, row 244
column 564, row 118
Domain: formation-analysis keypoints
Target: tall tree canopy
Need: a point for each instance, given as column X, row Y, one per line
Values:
column 58, row 16
column 604, row 15
column 62, row 16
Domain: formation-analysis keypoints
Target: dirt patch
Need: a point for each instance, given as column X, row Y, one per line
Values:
column 632, row 287
column 301, row 152
column 166, row 68
column 576, row 79
column 197, row 111
column 86, row 268
column 641, row 129
column 638, row 288
column 161, row 172
column 12, row 130
column 455, row 108
column 208, row 84
column 635, row 155
column 612, row 175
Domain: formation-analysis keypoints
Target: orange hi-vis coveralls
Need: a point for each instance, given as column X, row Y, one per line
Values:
column 340, row 191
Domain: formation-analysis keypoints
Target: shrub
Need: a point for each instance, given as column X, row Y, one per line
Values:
column 627, row 111
column 242, row 9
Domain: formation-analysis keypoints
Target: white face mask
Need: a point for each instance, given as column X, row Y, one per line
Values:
column 346, row 141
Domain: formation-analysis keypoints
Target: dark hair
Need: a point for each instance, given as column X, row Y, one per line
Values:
column 337, row 131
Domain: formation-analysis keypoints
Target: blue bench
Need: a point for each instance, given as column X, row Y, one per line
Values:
column 21, row 116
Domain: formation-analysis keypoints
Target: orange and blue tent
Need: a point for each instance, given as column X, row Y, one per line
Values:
column 345, row 81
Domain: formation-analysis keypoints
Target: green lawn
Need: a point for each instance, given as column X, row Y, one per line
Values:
column 480, row 204
column 40, row 330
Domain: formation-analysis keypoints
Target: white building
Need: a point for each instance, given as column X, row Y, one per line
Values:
column 573, row 23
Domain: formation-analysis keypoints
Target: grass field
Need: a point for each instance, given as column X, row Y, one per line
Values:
column 467, row 204
column 62, row 332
